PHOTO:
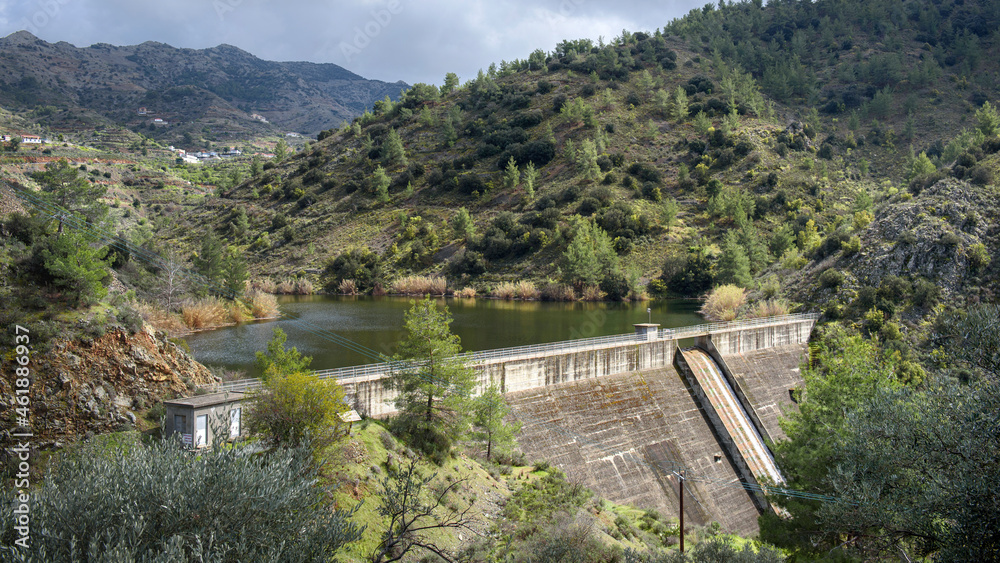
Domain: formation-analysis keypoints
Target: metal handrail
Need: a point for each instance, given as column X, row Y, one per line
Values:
column 472, row 358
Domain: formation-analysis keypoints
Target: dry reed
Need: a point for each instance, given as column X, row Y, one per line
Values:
column 505, row 290
column 420, row 285
column 768, row 308
column 592, row 293
column 303, row 287
column 262, row 305
column 347, row 287
column 466, row 293
column 724, row 303
column 558, row 292
column 160, row 318
column 204, row 313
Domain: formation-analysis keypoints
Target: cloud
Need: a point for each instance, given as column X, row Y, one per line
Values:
column 410, row 40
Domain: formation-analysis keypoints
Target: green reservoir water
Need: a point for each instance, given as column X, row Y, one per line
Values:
column 313, row 322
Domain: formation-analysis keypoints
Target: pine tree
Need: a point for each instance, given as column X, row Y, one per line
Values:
column 680, row 104
column 511, row 175
column 450, row 135
column 488, row 422
column 77, row 267
column 380, row 183
column 280, row 150
column 210, row 261
column 234, row 275
column 433, row 391
column 450, row 83
column 462, row 224
column 590, row 255
column 65, row 187
column 530, row 177
column 393, row 153
column 734, row 265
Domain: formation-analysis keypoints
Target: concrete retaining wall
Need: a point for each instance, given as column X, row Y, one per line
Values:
column 517, row 373
column 745, row 340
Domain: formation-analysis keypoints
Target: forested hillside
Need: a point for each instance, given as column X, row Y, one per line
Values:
column 813, row 151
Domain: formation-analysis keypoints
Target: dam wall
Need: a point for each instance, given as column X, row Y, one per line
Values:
column 767, row 379
column 616, row 415
column 621, row 436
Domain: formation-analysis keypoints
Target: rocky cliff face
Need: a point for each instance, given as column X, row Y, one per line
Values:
column 932, row 235
column 87, row 387
column 947, row 234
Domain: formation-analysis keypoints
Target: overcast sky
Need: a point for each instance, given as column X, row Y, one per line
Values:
column 409, row 40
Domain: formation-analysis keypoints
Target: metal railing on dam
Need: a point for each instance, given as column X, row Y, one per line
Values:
column 379, row 370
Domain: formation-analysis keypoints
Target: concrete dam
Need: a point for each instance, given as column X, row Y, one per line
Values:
column 625, row 415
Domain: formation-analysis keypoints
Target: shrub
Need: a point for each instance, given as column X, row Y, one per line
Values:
column 831, row 278
column 645, row 172
column 851, row 246
column 158, row 502
column 925, row 292
column 467, row 262
column 949, row 238
column 616, row 286
column 979, row 256
column 894, row 289
column 296, row 407
column 723, row 303
column 980, row 175
column 361, row 265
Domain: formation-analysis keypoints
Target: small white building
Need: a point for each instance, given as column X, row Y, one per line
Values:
column 205, row 419
column 31, row 139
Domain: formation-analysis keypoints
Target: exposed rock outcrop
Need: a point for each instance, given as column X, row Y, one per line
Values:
column 89, row 387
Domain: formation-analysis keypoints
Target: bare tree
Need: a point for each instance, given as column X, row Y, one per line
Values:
column 173, row 279
column 411, row 516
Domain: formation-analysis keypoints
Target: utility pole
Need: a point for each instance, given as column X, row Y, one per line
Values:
column 680, row 477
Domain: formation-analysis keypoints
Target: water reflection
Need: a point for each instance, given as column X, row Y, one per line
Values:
column 374, row 325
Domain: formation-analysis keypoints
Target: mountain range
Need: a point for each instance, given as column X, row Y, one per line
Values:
column 223, row 88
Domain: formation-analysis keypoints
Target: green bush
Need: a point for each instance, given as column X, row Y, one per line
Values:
column 831, row 278
column 979, row 256
column 925, row 293
column 158, row 502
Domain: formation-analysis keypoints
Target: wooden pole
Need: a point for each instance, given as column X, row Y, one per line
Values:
column 681, row 481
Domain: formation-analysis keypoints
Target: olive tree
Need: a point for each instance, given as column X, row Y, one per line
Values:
column 158, row 502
